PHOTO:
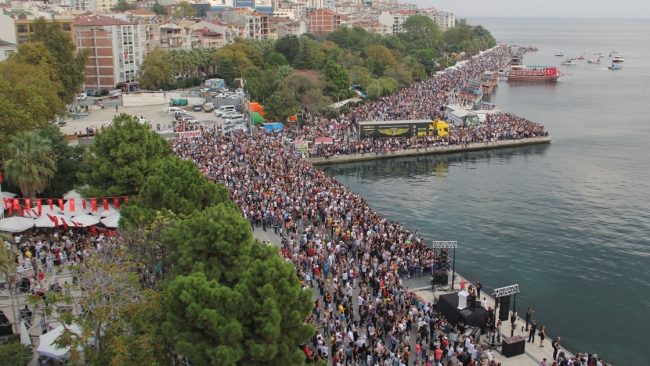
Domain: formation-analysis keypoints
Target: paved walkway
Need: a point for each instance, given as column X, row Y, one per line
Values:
column 422, row 286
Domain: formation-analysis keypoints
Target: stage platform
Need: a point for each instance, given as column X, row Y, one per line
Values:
column 448, row 306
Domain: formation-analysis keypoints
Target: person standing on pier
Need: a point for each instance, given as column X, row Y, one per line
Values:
column 529, row 314
column 478, row 289
column 531, row 332
column 556, row 347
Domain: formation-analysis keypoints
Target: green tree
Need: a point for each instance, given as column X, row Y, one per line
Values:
column 124, row 6
column 156, row 70
column 336, row 78
column 173, row 185
column 260, row 83
column 69, row 162
column 283, row 74
column 456, row 35
column 309, row 56
column 121, row 158
column 280, row 106
column 183, row 9
column 159, row 9
column 32, row 164
column 379, row 59
column 240, row 54
column 421, row 29
column 348, row 38
column 233, row 301
column 70, row 65
column 314, row 101
column 15, row 354
column 275, row 59
column 288, row 46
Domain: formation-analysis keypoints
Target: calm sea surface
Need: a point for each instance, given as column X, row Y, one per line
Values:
column 569, row 222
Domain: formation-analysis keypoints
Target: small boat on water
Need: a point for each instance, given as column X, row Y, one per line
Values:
column 586, row 52
column 560, row 54
column 569, row 62
column 581, row 58
column 594, row 61
column 614, row 53
column 615, row 67
column 618, row 59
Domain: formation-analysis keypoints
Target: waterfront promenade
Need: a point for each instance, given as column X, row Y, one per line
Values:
column 422, row 287
column 475, row 146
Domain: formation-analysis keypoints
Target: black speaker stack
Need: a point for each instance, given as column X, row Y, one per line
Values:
column 504, row 308
column 513, row 346
column 440, row 278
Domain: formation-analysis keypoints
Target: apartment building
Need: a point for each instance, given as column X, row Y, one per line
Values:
column 22, row 22
column 444, row 20
column 175, row 37
column 394, row 20
column 116, row 49
column 257, row 25
column 323, row 21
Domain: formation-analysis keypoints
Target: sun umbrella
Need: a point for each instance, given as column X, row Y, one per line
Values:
column 46, row 346
column 105, row 213
column 85, row 220
column 78, row 207
column 111, row 221
column 16, row 224
column 45, row 221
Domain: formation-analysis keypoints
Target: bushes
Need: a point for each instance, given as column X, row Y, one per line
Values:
column 15, row 353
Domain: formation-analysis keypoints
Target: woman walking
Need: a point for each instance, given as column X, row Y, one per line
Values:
column 542, row 335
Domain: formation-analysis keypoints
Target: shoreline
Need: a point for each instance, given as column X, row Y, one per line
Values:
column 476, row 146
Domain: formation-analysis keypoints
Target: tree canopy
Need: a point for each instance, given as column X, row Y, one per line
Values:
column 121, row 158
column 183, row 9
column 156, row 69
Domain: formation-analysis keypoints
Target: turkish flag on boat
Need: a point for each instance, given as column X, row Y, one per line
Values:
column 551, row 71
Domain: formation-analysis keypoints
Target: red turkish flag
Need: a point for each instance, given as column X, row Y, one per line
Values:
column 105, row 202
column 0, row 177
column 83, row 203
column 54, row 220
column 39, row 206
column 65, row 224
column 116, row 202
column 92, row 228
column 71, row 205
column 16, row 203
column 8, row 205
column 551, row 71
column 28, row 203
column 61, row 206
column 93, row 204
column 49, row 202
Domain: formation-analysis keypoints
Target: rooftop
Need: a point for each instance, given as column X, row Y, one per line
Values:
column 98, row 20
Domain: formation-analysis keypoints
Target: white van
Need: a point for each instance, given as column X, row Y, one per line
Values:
column 82, row 96
column 223, row 109
column 173, row 110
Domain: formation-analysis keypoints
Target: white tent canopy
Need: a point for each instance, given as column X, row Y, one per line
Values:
column 45, row 221
column 78, row 207
column 49, row 349
column 105, row 213
column 71, row 194
column 111, row 221
column 16, row 224
column 85, row 220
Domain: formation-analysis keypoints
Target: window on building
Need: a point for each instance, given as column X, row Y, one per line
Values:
column 8, row 53
column 22, row 39
column 22, row 28
column 66, row 27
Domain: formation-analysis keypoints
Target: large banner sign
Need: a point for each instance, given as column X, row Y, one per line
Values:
column 189, row 134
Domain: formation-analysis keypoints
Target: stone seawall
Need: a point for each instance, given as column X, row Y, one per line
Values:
column 437, row 150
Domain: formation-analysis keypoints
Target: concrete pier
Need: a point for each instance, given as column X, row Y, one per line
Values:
column 429, row 151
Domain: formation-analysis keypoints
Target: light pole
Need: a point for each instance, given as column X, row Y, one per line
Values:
column 338, row 100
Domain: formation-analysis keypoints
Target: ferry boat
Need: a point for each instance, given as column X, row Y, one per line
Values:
column 489, row 79
column 594, row 61
column 471, row 96
column 581, row 57
column 618, row 59
column 516, row 60
column 615, row 67
column 534, row 73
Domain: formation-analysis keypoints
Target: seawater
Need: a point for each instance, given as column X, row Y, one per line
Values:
column 569, row 222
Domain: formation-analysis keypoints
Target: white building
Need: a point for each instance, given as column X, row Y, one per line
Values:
column 444, row 20
column 394, row 20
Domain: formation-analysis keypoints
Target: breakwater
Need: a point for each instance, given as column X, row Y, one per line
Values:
column 476, row 146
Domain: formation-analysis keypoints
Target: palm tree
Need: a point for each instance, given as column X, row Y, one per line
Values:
column 32, row 163
column 7, row 261
column 283, row 73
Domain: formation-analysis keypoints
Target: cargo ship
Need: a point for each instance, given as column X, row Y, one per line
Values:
column 534, row 73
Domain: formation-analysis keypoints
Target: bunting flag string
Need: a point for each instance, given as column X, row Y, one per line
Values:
column 14, row 204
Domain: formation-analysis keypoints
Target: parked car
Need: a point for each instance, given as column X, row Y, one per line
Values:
column 82, row 96
column 233, row 122
column 197, row 107
column 232, row 115
column 223, row 109
column 102, row 93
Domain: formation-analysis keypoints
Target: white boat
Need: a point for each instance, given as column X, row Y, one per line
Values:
column 615, row 67
column 586, row 52
column 594, row 61
column 618, row 59
column 569, row 62
column 560, row 54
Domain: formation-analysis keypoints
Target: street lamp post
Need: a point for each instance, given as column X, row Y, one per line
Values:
column 338, row 100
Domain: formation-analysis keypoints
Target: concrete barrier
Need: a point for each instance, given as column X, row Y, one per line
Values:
column 429, row 151
column 142, row 99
